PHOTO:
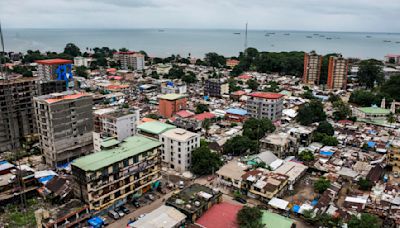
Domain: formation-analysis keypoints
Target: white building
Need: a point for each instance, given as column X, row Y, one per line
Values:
column 177, row 148
column 130, row 60
column 168, row 88
column 82, row 61
column 116, row 124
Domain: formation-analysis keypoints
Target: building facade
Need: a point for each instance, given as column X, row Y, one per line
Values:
column 177, row 147
column 108, row 177
column 265, row 105
column 82, row 61
column 65, row 124
column 170, row 104
column 337, row 73
column 55, row 69
column 215, row 88
column 169, row 87
column 130, row 60
column 394, row 155
column 312, row 68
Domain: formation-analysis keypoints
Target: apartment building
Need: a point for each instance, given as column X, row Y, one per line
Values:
column 265, row 105
column 117, row 124
column 130, row 60
column 312, row 68
column 215, row 88
column 170, row 104
column 394, row 155
column 17, row 119
column 337, row 73
column 108, row 177
column 177, row 147
column 82, row 61
column 170, row 87
column 55, row 69
column 65, row 124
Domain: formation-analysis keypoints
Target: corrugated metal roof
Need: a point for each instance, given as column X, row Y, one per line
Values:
column 172, row 96
column 155, row 127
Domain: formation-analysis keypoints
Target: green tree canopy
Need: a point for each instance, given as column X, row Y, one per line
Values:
column 306, row 156
column 391, row 87
column 342, row 110
column 363, row 98
column 256, row 129
column 365, row 220
column 214, row 60
column 329, row 141
column 200, row 108
column 364, row 184
column 81, row 71
column 72, row 50
column 321, row 185
column 189, row 78
column 239, row 145
column 369, row 72
column 249, row 217
column 325, row 127
column 253, row 84
column 311, row 112
column 204, row 161
column 175, row 72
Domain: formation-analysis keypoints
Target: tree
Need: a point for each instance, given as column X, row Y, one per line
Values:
column 370, row 72
column 391, row 87
column 233, row 86
column 175, row 72
column 204, row 161
column 249, row 217
column 153, row 116
column 334, row 98
column 311, row 112
column 329, row 141
column 81, row 71
column 154, row 75
column 321, row 185
column 364, row 184
column 189, row 78
column 326, row 128
column 391, row 118
column 123, row 49
column 342, row 110
column 306, row 156
column 214, row 60
column 363, row 98
column 72, row 50
column 253, row 84
column 256, row 129
column 200, row 108
column 206, row 125
column 365, row 220
column 240, row 145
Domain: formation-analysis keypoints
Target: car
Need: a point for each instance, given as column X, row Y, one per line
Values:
column 136, row 203
column 113, row 214
column 396, row 175
column 150, row 197
column 105, row 222
column 241, row 200
column 120, row 212
column 124, row 209
column 181, row 184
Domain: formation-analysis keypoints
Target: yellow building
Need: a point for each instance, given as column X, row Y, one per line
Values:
column 394, row 155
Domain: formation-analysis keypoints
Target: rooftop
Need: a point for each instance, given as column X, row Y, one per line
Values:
column 237, row 111
column 374, row 110
column 155, row 127
column 233, row 169
column 67, row 95
column 162, row 217
column 179, row 134
column 129, row 147
column 266, row 95
column 270, row 219
column 204, row 115
column 54, row 61
column 220, row 215
column 172, row 96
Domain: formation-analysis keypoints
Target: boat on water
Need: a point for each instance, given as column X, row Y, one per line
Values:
column 368, row 36
column 397, row 42
column 287, row 34
column 161, row 30
column 387, row 41
column 236, row 33
column 316, row 34
column 309, row 36
column 328, row 38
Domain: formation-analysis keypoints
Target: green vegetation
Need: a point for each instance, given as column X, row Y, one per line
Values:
column 326, row 128
column 81, row 71
column 200, row 108
column 240, row 145
column 306, row 156
column 214, row 60
column 25, row 71
column 153, row 116
column 272, row 87
column 364, row 98
column 72, row 50
column 311, row 112
column 370, row 72
column 342, row 110
column 189, row 78
column 175, row 72
column 204, row 161
column 391, row 87
column 253, row 84
column 364, row 184
column 256, row 129
column 365, row 220
column 321, row 185
column 249, row 217
column 17, row 217
column 329, row 141
column 233, row 85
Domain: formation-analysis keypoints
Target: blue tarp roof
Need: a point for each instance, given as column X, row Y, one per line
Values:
column 236, row 111
column 371, row 144
column 326, row 153
column 372, row 132
column 314, row 202
column 95, row 222
column 296, row 208
column 63, row 166
column 45, row 179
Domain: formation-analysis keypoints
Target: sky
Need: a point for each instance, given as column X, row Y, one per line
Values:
column 313, row 15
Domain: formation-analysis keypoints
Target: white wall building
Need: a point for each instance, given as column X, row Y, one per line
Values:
column 82, row 61
column 176, row 151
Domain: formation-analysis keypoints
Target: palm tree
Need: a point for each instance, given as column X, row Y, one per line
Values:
column 391, row 118
column 206, row 125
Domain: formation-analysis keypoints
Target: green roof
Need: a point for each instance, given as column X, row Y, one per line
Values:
column 109, row 142
column 155, row 127
column 172, row 96
column 270, row 219
column 374, row 110
column 131, row 146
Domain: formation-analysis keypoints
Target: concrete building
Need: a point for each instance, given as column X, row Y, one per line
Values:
column 312, row 68
column 392, row 59
column 170, row 87
column 53, row 86
column 170, row 104
column 17, row 120
column 177, row 147
column 163, row 69
column 231, row 63
column 265, row 105
column 130, row 60
column 55, row 69
column 108, row 177
column 337, row 73
column 111, row 123
column 82, row 61
column 65, row 124
column 154, row 129
column 215, row 88
column 162, row 217
column 394, row 155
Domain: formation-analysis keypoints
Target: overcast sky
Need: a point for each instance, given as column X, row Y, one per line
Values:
column 321, row 15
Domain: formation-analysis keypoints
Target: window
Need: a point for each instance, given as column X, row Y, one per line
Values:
column 179, row 161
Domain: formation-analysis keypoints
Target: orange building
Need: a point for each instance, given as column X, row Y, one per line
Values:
column 312, row 68
column 171, row 103
column 337, row 73
column 232, row 63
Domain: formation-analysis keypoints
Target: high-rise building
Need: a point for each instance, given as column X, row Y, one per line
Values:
column 265, row 105
column 312, row 68
column 108, row 177
column 17, row 119
column 216, row 88
column 65, row 124
column 55, row 69
column 170, row 104
column 177, row 147
column 117, row 124
column 130, row 60
column 394, row 155
column 337, row 73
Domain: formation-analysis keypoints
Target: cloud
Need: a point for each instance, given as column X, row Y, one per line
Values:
column 337, row 15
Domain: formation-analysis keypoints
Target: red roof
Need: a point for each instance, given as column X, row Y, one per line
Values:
column 245, row 76
column 125, row 52
column 239, row 93
column 53, row 61
column 392, row 56
column 267, row 95
column 220, row 215
column 184, row 114
column 204, row 115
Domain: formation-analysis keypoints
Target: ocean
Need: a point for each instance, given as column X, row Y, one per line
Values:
column 197, row 42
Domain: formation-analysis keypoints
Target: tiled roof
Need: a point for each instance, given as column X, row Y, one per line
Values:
column 267, row 95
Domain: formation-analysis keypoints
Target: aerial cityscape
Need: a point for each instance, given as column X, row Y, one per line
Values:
column 167, row 114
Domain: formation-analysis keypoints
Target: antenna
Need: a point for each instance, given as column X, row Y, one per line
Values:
column 245, row 39
column 2, row 53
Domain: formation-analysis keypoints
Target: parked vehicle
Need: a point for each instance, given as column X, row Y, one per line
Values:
column 150, row 197
column 181, row 184
column 136, row 203
column 124, row 209
column 241, row 200
column 105, row 222
column 120, row 212
column 113, row 214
